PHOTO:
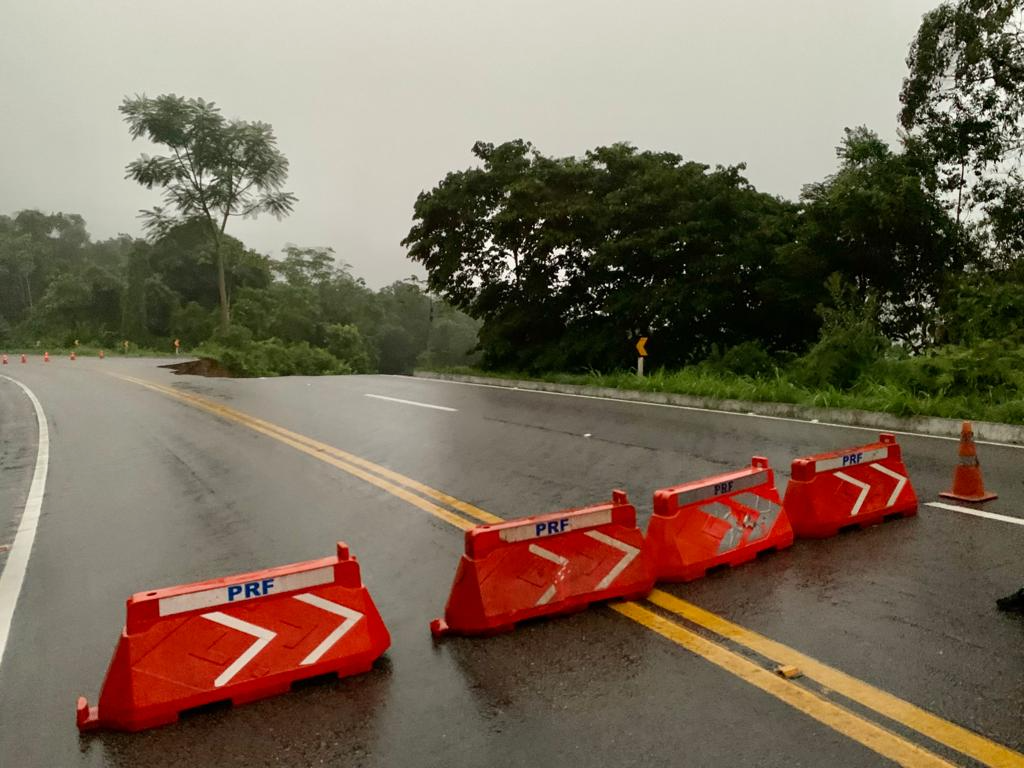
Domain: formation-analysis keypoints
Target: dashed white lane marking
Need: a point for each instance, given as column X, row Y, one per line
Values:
column 976, row 512
column 766, row 417
column 13, row 575
column 412, row 402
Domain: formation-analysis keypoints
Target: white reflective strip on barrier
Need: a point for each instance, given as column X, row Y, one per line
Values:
column 557, row 559
column 246, row 590
column 628, row 551
column 538, row 529
column 851, row 459
column 547, row 554
column 901, row 482
column 350, row 616
column 263, row 637
column 722, row 485
column 864, row 488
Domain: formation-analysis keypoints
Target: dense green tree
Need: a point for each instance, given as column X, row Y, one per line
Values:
column 306, row 267
column 963, row 98
column 215, row 169
column 567, row 259
column 34, row 248
column 877, row 223
column 346, row 343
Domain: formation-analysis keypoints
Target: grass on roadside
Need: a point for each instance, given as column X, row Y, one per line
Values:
column 866, row 395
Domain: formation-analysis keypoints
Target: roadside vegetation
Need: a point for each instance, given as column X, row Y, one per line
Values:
column 303, row 312
column 851, row 365
column 896, row 283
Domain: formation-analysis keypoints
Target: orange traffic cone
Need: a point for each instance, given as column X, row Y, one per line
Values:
column 102, row 355
column 46, row 357
column 967, row 482
column 4, row 359
column 73, row 355
column 24, row 358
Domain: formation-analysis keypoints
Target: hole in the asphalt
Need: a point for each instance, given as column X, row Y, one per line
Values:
column 205, row 709
column 316, row 680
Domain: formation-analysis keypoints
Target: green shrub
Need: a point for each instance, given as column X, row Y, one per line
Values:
column 849, row 344
column 396, row 349
column 237, row 336
column 192, row 324
column 272, row 357
column 989, row 369
column 747, row 359
column 346, row 343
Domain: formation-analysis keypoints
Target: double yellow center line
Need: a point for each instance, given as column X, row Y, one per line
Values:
column 653, row 614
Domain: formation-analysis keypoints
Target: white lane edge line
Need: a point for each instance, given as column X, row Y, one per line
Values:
column 411, row 402
column 791, row 419
column 13, row 575
column 976, row 512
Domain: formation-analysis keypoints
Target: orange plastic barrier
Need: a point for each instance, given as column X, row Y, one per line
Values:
column 723, row 520
column 239, row 638
column 853, row 487
column 545, row 565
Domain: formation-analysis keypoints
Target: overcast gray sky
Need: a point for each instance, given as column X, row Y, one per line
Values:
column 375, row 101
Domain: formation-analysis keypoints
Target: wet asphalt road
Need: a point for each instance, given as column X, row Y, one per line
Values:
column 145, row 492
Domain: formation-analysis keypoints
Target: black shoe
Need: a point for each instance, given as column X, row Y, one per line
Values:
column 1014, row 602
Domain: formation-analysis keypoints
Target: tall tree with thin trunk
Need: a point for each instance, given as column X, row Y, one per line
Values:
column 963, row 98
column 215, row 169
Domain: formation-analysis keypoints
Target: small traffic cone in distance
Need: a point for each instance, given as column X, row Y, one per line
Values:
column 5, row 359
column 967, row 482
column 46, row 357
column 102, row 355
column 73, row 355
column 24, row 357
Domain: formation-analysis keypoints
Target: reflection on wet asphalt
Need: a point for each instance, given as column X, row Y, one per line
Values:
column 147, row 492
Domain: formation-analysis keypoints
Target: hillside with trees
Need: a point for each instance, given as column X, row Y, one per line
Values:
column 895, row 282
column 303, row 312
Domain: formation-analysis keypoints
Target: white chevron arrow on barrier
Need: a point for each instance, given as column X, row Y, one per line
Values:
column 351, row 618
column 901, row 481
column 263, row 637
column 629, row 552
column 865, row 487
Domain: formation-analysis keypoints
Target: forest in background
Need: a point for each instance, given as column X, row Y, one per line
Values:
column 896, row 281
column 303, row 312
